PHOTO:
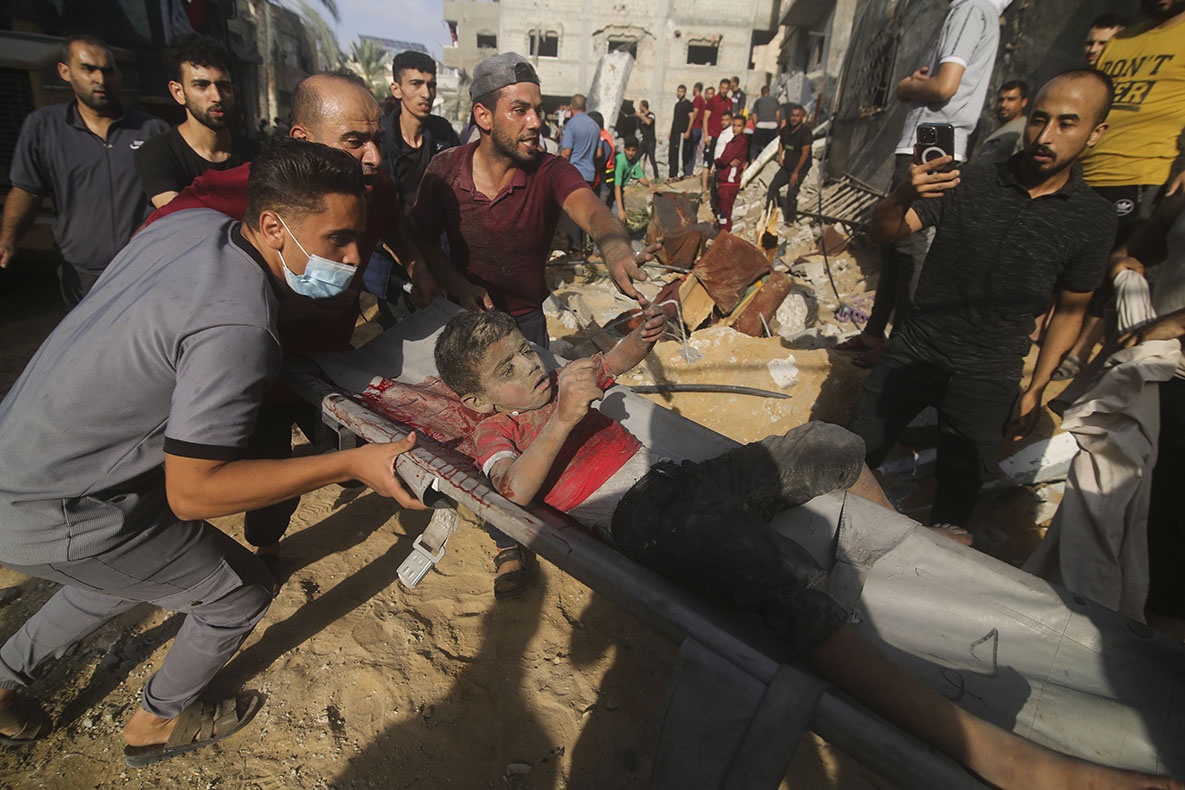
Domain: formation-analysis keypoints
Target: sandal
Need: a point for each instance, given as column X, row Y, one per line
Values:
column 1071, row 366
column 511, row 584
column 196, row 727
column 25, row 713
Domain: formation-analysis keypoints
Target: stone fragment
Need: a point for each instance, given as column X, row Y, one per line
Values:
column 783, row 371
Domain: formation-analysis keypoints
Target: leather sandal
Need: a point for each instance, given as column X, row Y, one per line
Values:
column 511, row 584
column 22, row 712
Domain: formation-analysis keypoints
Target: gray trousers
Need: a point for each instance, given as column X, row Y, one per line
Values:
column 186, row 566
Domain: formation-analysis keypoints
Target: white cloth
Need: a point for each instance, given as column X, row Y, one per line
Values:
column 1097, row 545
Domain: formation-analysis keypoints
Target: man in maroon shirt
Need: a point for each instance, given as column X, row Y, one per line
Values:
column 499, row 199
column 338, row 111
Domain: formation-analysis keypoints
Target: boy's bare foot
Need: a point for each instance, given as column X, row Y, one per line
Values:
column 957, row 534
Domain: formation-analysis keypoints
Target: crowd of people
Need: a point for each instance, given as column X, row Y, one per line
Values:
column 193, row 259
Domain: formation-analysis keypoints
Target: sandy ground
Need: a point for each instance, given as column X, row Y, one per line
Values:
column 370, row 684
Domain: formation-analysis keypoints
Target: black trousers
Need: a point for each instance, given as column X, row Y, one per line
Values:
column 647, row 149
column 790, row 201
column 972, row 415
column 1166, row 517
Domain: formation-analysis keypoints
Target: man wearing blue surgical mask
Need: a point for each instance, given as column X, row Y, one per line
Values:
column 132, row 425
column 322, row 278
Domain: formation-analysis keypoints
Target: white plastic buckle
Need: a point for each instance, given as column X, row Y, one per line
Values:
column 421, row 560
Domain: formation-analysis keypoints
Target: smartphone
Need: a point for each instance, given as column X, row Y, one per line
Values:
column 935, row 140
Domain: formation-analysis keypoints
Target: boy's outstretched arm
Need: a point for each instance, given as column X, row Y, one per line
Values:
column 519, row 479
column 634, row 347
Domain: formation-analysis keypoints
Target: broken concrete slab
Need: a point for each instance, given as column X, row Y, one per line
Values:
column 1040, row 462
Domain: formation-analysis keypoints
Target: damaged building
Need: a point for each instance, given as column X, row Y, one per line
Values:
column 671, row 45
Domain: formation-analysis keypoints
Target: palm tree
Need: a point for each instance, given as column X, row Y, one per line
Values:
column 368, row 59
column 328, row 51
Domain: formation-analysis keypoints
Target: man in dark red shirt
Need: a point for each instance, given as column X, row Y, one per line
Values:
column 340, row 112
column 499, row 199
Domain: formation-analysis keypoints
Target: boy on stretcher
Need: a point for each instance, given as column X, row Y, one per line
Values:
column 705, row 525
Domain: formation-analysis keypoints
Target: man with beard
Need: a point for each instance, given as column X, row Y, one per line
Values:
column 336, row 110
column 199, row 80
column 498, row 201
column 80, row 155
column 1007, row 237
column 1147, row 64
column 1011, row 101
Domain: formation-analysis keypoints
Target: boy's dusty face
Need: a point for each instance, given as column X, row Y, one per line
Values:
column 631, row 153
column 512, row 376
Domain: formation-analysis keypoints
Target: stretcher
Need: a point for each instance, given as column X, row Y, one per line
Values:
column 1005, row 645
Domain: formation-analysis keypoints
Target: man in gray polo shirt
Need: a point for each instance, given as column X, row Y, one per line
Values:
column 81, row 154
column 129, row 428
column 949, row 88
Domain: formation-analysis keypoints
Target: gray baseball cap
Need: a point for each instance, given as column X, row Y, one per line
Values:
column 498, row 71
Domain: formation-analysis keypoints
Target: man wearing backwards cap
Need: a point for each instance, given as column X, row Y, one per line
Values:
column 499, row 199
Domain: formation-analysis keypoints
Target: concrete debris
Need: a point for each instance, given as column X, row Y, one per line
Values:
column 822, row 336
column 1049, row 499
column 791, row 317
column 607, row 91
column 783, row 371
column 1041, row 462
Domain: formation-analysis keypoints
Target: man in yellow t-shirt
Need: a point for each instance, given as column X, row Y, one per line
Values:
column 1147, row 64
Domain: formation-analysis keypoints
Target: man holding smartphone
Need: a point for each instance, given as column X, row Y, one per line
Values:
column 949, row 89
column 1007, row 236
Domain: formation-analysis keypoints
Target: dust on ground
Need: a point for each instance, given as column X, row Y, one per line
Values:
column 370, row 684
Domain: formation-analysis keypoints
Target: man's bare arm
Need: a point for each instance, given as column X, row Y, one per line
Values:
column 611, row 237
column 893, row 218
column 201, row 489
column 925, row 89
column 20, row 209
column 1059, row 339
